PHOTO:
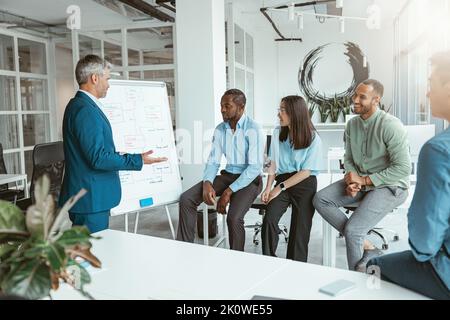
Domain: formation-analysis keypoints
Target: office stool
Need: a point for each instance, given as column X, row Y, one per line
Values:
column 257, row 226
column 376, row 231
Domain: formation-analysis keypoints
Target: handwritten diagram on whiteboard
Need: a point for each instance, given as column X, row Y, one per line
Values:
column 140, row 119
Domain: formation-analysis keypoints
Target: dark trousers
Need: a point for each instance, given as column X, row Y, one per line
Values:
column 404, row 270
column 240, row 203
column 300, row 196
column 95, row 222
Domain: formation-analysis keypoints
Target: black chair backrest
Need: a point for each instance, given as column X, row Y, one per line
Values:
column 48, row 158
column 266, row 151
column 268, row 141
column 2, row 168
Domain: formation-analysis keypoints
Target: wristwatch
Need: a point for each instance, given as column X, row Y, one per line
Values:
column 282, row 186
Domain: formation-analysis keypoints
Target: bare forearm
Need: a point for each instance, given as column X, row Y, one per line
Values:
column 270, row 179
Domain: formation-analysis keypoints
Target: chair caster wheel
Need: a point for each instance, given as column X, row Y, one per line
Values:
column 396, row 238
column 256, row 242
column 385, row 247
column 286, row 239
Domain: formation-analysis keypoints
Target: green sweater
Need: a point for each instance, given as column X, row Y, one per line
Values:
column 378, row 147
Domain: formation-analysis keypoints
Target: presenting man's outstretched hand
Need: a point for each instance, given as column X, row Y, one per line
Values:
column 150, row 160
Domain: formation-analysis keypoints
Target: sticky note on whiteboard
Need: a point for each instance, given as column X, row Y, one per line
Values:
column 146, row 202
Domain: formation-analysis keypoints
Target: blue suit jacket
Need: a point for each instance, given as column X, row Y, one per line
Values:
column 91, row 158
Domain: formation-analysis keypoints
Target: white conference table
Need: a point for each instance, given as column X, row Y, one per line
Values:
column 14, row 178
column 301, row 281
column 144, row 267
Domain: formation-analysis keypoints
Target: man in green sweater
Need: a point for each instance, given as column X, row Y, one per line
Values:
column 377, row 165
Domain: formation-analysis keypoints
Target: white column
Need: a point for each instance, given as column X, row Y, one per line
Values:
column 75, row 55
column 200, row 76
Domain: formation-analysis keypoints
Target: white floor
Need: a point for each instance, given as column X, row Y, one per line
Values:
column 154, row 223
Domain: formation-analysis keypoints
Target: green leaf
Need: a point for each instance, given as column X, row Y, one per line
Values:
column 56, row 256
column 42, row 188
column 35, row 247
column 35, row 220
column 31, row 279
column 6, row 249
column 11, row 218
column 40, row 216
column 51, row 252
column 78, row 235
column 9, row 236
column 12, row 223
column 85, row 277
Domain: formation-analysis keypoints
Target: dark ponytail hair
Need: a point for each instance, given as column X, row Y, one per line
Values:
column 301, row 125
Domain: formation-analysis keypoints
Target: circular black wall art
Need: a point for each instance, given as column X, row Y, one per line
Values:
column 354, row 57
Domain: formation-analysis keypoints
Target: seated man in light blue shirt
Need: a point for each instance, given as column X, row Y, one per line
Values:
column 426, row 268
column 241, row 141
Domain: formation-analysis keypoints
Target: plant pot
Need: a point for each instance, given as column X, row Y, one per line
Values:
column 315, row 117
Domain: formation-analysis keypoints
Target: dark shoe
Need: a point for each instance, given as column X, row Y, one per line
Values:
column 368, row 254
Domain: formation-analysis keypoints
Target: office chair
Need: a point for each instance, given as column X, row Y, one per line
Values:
column 257, row 226
column 48, row 158
column 376, row 230
column 7, row 194
column 261, row 207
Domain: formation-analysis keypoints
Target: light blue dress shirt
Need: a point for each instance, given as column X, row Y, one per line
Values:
column 243, row 150
column 288, row 160
column 429, row 214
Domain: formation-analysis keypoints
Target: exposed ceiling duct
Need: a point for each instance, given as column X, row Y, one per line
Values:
column 149, row 9
column 326, row 7
column 14, row 21
column 123, row 9
column 164, row 4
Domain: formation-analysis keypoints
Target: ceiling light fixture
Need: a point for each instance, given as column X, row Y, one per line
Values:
column 301, row 21
column 291, row 12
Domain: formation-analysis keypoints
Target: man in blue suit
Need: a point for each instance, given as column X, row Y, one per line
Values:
column 92, row 161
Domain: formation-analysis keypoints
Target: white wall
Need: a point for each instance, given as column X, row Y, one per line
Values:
column 200, row 79
column 64, row 84
column 277, row 63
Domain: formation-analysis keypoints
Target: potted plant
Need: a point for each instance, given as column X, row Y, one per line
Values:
column 335, row 109
column 312, row 108
column 324, row 110
column 346, row 106
column 38, row 250
column 385, row 108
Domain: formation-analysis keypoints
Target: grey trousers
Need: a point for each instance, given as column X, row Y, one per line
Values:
column 374, row 206
column 239, row 205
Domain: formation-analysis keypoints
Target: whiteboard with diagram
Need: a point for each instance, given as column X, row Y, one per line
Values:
column 140, row 118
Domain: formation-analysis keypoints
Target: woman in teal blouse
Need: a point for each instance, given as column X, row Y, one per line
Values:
column 295, row 155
